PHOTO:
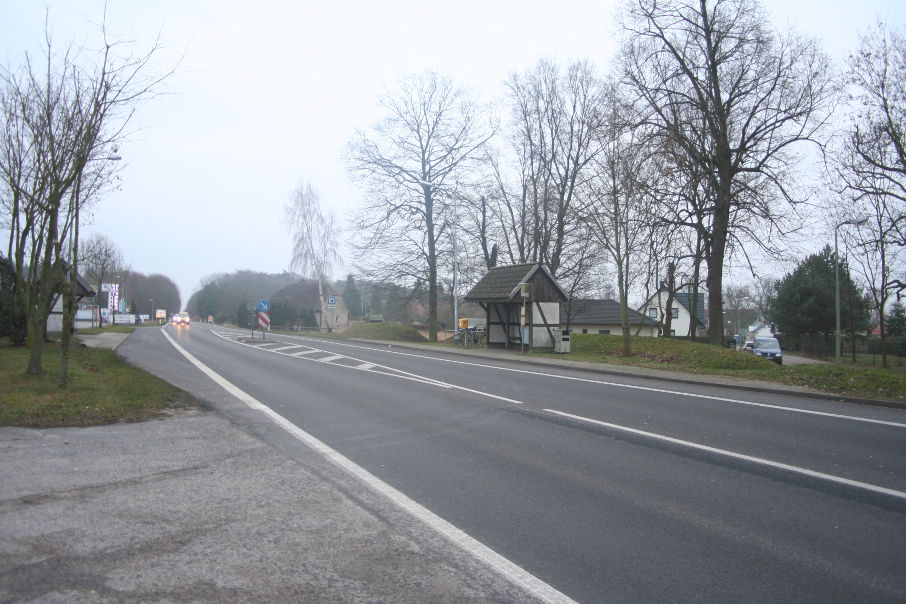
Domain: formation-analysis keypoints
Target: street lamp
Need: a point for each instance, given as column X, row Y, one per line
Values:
column 854, row 222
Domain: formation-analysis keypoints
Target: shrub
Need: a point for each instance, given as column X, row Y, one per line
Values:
column 12, row 318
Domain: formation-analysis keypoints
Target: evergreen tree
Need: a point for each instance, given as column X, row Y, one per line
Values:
column 352, row 295
column 243, row 315
column 804, row 302
column 896, row 320
column 13, row 322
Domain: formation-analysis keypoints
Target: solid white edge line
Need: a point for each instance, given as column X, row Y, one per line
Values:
column 511, row 571
column 758, row 460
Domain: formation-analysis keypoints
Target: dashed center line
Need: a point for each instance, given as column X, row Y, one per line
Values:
column 725, row 453
column 303, row 352
column 332, row 358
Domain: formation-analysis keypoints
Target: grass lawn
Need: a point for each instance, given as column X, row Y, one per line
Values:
column 102, row 390
column 699, row 358
column 865, row 359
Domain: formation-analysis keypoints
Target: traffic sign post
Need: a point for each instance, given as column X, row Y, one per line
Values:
column 264, row 322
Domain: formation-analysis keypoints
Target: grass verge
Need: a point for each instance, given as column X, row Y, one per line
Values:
column 103, row 390
column 700, row 358
column 393, row 332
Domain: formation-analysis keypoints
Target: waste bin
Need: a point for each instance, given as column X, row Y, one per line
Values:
column 561, row 341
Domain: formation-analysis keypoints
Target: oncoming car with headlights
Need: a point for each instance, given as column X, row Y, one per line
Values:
column 181, row 318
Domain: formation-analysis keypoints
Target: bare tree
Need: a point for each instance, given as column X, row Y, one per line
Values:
column 100, row 259
column 59, row 117
column 315, row 238
column 875, row 258
column 617, row 206
column 555, row 119
column 432, row 133
column 871, row 162
column 733, row 97
column 738, row 298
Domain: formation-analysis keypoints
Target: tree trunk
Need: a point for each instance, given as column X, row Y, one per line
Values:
column 624, row 310
column 883, row 339
column 68, row 300
column 432, row 264
column 323, row 306
column 671, row 287
column 720, row 227
column 46, row 286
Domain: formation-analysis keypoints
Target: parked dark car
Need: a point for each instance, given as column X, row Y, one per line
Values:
column 768, row 348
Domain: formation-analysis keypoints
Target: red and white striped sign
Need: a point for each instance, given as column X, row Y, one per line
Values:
column 264, row 320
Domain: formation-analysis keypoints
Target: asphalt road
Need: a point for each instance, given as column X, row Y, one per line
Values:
column 607, row 488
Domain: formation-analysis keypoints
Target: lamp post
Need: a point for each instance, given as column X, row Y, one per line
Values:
column 854, row 222
column 151, row 318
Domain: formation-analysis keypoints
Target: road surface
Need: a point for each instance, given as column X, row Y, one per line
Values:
column 606, row 488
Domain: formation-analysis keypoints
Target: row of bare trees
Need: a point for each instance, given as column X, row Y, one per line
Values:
column 62, row 117
column 687, row 152
column 868, row 168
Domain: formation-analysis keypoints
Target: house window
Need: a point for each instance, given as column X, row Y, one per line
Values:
column 673, row 333
column 584, row 330
column 674, row 312
column 652, row 313
column 604, row 332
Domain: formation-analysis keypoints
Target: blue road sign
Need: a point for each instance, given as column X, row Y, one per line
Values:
column 264, row 306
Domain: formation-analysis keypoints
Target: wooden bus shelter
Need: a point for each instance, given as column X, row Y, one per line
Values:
column 507, row 293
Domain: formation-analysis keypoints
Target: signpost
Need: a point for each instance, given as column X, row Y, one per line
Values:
column 264, row 316
column 331, row 301
column 525, row 290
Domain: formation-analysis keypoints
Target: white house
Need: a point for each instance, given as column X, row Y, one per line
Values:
column 681, row 313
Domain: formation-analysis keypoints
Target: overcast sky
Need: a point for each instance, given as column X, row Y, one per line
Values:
column 269, row 92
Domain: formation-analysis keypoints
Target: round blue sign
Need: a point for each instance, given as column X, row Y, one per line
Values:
column 263, row 306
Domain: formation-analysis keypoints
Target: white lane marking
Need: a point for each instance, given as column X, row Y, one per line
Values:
column 758, row 460
column 330, row 359
column 283, row 348
column 384, row 370
column 628, row 386
column 398, row 373
column 365, row 366
column 511, row 571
